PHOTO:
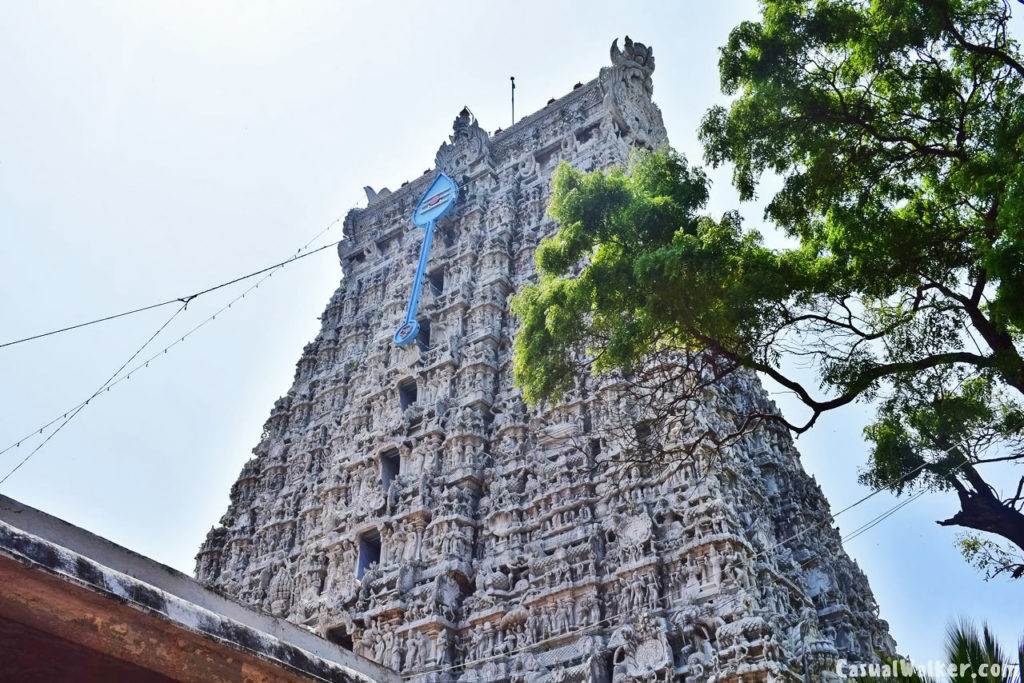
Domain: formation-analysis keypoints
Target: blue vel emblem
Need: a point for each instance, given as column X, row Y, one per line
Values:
column 434, row 203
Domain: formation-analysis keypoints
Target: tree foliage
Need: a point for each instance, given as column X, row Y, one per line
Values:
column 897, row 128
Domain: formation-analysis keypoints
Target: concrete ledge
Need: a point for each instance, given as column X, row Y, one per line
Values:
column 61, row 580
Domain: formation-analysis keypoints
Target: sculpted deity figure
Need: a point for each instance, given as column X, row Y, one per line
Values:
column 412, row 652
column 442, row 654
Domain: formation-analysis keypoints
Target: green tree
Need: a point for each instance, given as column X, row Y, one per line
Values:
column 896, row 128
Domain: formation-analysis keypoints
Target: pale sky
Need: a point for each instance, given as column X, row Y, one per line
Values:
column 151, row 149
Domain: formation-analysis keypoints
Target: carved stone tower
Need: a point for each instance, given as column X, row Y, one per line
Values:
column 404, row 502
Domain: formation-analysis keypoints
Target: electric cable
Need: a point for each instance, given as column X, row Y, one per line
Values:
column 870, row 524
column 72, row 414
column 185, row 299
column 76, row 408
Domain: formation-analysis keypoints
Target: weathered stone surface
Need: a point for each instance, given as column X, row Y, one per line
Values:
column 511, row 544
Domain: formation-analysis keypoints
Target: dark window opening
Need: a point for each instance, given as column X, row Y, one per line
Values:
column 448, row 237
column 369, row 552
column 643, row 433
column 595, row 447
column 390, row 467
column 544, row 156
column 436, row 279
column 423, row 336
column 340, row 637
column 587, row 133
column 407, row 393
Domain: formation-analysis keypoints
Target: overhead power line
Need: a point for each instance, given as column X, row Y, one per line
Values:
column 117, row 377
column 185, row 299
column 874, row 521
column 73, row 413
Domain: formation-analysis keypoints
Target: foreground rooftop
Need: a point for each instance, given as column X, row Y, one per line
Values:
column 75, row 606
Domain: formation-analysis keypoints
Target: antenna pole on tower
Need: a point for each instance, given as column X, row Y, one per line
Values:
column 513, row 79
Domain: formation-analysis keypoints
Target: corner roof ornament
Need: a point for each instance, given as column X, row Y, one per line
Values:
column 467, row 147
column 636, row 55
column 636, row 62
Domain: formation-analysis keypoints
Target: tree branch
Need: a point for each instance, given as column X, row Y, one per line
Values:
column 976, row 48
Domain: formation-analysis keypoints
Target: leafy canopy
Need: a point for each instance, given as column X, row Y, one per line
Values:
column 897, row 128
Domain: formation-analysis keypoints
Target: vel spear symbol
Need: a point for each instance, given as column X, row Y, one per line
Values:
column 435, row 202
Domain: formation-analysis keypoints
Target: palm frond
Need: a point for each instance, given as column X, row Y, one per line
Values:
column 1018, row 677
column 968, row 651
